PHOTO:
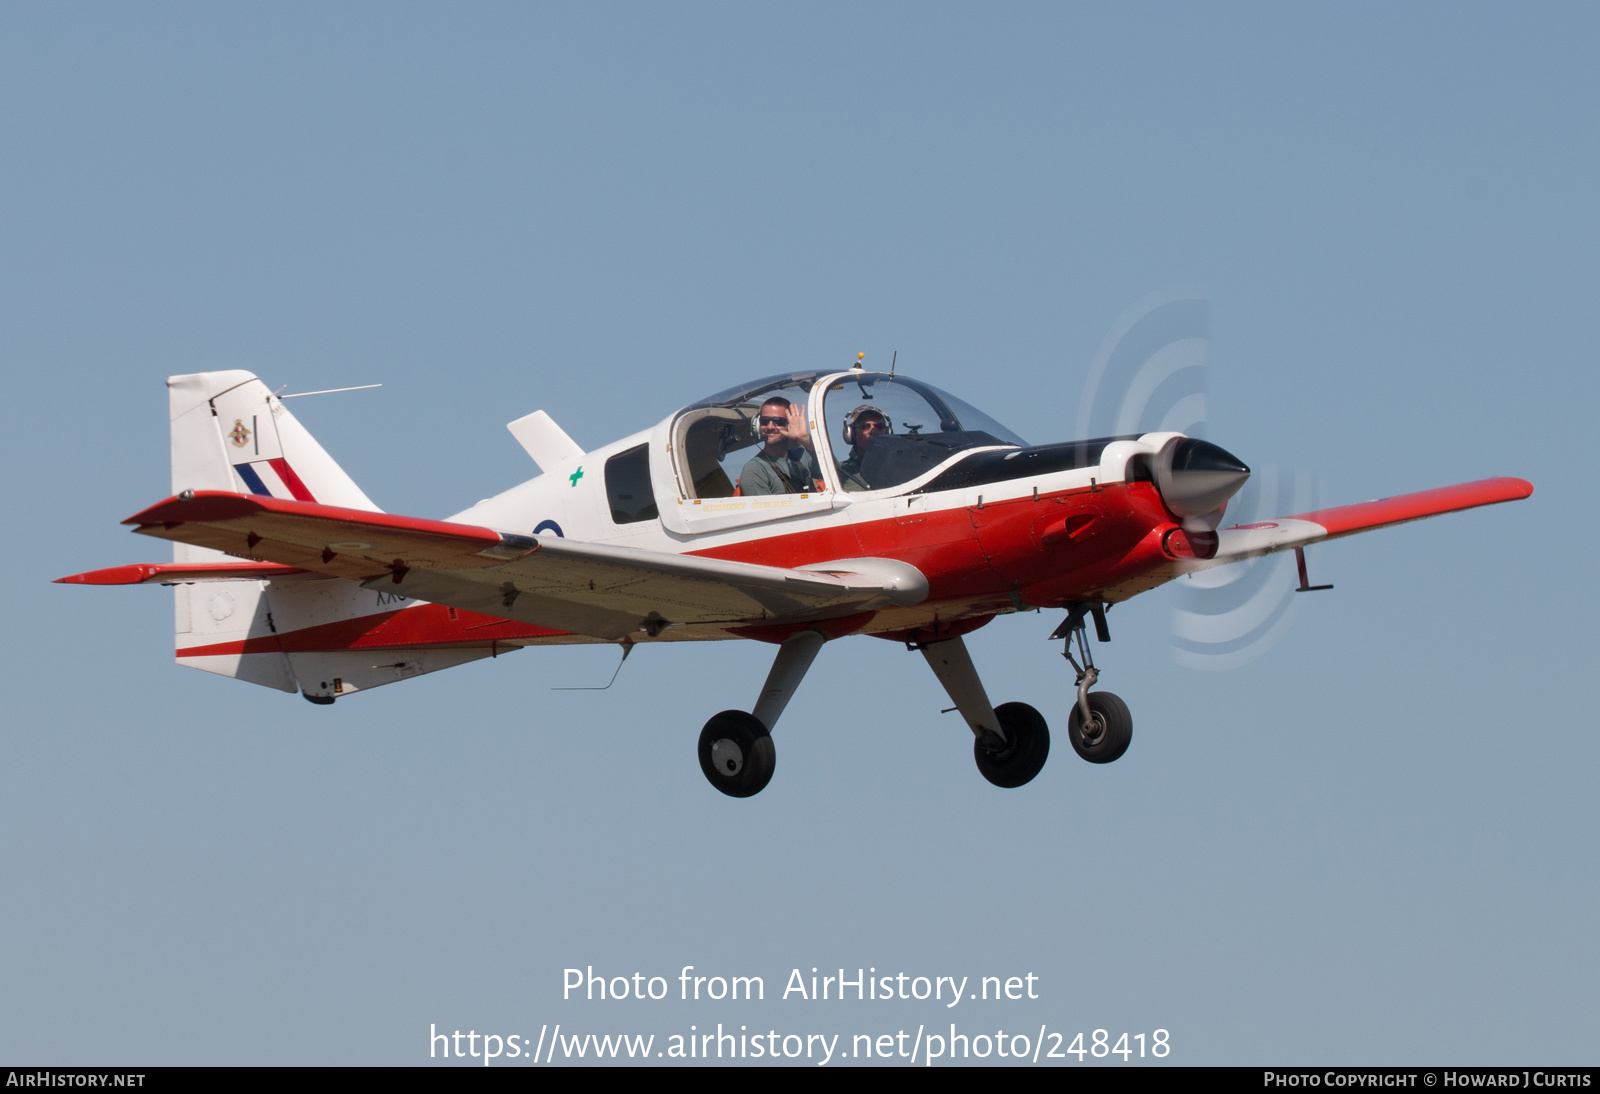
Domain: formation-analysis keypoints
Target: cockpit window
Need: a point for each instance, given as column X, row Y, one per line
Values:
column 717, row 437
column 628, row 486
column 759, row 389
column 887, row 430
column 883, row 431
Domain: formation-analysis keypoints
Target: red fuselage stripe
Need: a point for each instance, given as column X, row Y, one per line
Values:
column 992, row 550
column 423, row 625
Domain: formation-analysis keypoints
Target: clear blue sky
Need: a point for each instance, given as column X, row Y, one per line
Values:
column 1374, row 843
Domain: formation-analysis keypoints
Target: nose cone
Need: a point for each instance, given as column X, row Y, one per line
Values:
column 1196, row 477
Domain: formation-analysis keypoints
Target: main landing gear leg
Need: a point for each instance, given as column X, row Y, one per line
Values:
column 1012, row 740
column 788, row 669
column 736, row 750
column 1100, row 726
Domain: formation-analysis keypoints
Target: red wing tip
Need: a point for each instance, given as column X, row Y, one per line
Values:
column 140, row 573
column 115, row 575
column 1512, row 487
column 1509, row 487
column 197, row 505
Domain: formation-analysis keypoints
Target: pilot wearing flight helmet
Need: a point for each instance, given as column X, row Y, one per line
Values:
column 861, row 426
column 785, row 463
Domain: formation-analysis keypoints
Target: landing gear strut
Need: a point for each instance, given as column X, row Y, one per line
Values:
column 1100, row 726
column 1011, row 741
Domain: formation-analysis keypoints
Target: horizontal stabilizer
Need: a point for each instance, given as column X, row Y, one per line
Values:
column 168, row 573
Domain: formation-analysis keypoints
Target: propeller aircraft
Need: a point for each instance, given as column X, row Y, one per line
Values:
column 793, row 510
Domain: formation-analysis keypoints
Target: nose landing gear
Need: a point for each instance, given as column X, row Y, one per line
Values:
column 1105, row 734
column 1100, row 726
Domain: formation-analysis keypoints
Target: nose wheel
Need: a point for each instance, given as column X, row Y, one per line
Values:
column 1100, row 726
column 1106, row 733
column 737, row 754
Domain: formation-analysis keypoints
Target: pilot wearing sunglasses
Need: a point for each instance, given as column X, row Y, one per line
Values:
column 786, row 463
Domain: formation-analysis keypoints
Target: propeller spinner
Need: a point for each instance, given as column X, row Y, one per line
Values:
column 1195, row 477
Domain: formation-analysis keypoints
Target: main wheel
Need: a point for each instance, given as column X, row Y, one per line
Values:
column 1026, row 749
column 737, row 754
column 1109, row 732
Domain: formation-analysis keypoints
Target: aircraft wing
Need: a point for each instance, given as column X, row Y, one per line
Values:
column 583, row 588
column 1264, row 537
column 1287, row 533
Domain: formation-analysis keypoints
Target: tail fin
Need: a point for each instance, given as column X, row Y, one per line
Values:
column 230, row 433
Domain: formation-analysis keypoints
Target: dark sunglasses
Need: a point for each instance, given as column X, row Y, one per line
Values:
column 767, row 419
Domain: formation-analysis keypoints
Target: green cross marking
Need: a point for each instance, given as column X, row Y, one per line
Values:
column 575, row 476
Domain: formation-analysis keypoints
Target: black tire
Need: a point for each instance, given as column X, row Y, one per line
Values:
column 737, row 754
column 1026, row 749
column 1111, row 733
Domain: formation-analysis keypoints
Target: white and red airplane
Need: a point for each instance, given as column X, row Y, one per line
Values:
column 913, row 517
